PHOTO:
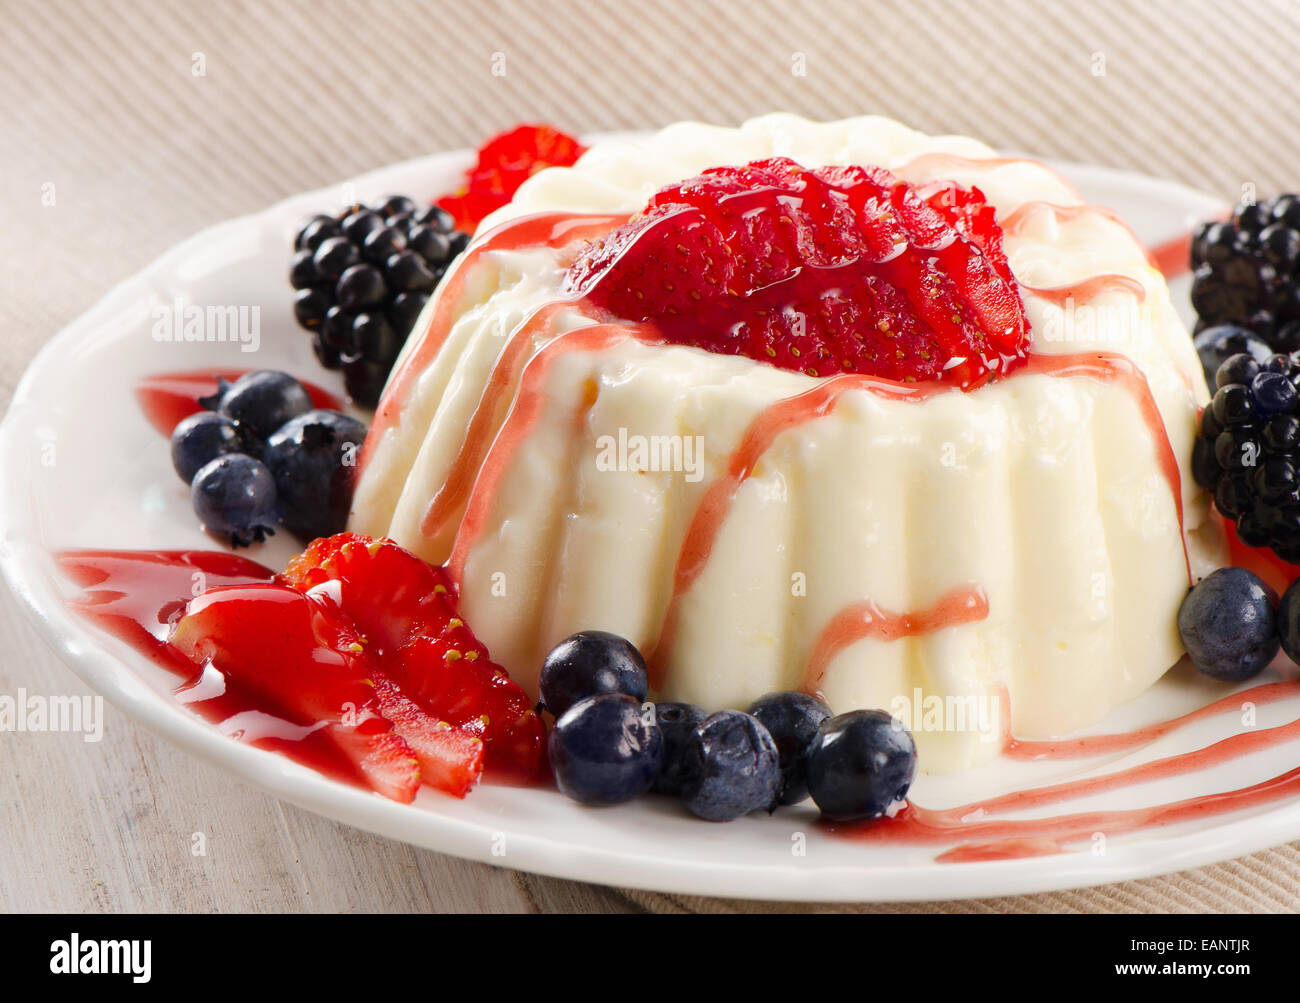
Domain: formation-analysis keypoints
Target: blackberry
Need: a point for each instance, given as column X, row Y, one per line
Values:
column 1247, row 450
column 361, row 279
column 1246, row 272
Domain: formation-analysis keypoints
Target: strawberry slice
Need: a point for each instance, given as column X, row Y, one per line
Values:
column 298, row 653
column 384, row 760
column 291, row 649
column 406, row 612
column 451, row 759
column 826, row 271
column 391, row 595
column 505, row 162
column 453, row 676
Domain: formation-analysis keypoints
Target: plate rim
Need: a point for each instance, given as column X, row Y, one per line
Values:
column 91, row 655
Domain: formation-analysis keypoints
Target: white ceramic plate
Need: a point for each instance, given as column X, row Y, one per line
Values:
column 111, row 485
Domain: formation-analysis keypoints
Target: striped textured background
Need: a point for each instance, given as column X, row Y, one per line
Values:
column 99, row 99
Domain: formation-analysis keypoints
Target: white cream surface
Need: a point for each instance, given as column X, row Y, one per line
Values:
column 1044, row 492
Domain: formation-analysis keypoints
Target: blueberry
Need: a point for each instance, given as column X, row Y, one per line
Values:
column 1228, row 625
column 200, row 439
column 263, row 400
column 792, row 719
column 859, row 764
column 1216, row 342
column 1274, row 393
column 732, row 768
column 312, row 458
column 591, row 662
column 234, row 495
column 1280, row 363
column 677, row 722
column 606, row 749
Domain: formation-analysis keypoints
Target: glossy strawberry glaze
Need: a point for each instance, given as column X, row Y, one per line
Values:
column 167, row 398
column 135, row 595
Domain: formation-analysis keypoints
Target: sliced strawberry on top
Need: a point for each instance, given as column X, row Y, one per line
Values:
column 406, row 612
column 838, row 269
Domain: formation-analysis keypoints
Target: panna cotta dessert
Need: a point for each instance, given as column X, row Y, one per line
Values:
column 834, row 407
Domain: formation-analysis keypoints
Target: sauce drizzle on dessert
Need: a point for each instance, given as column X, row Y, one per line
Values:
column 979, row 837
column 554, row 230
column 1095, row 285
column 524, row 414
column 505, row 375
column 860, row 620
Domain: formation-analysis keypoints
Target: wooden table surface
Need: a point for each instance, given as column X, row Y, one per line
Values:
column 101, row 103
